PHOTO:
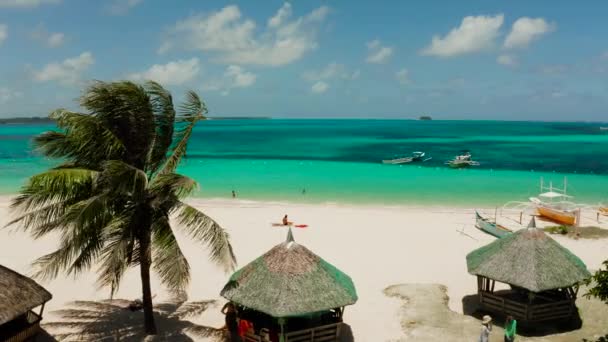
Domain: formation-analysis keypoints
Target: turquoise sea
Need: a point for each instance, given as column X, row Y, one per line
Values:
column 339, row 160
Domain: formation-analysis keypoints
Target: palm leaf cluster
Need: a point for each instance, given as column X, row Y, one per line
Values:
column 112, row 197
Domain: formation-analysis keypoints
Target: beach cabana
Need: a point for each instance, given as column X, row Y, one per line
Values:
column 19, row 295
column 292, row 294
column 542, row 274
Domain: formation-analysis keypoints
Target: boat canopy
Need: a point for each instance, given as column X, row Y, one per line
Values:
column 553, row 194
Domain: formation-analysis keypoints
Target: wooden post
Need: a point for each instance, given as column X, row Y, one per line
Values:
column 520, row 216
column 282, row 324
column 41, row 310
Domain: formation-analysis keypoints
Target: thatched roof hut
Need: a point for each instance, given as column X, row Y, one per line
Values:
column 529, row 259
column 289, row 281
column 18, row 295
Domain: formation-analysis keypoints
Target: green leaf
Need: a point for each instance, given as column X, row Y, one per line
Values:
column 168, row 260
column 202, row 228
column 164, row 117
column 191, row 112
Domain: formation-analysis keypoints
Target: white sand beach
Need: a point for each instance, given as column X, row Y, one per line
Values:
column 377, row 246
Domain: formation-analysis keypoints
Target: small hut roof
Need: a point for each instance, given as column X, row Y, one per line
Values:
column 530, row 259
column 18, row 294
column 290, row 280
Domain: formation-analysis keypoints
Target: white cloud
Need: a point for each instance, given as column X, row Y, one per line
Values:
column 50, row 39
column 233, row 39
column 508, row 60
column 56, row 39
column 331, row 71
column 67, row 72
column 403, row 76
column 3, row 33
column 474, row 34
column 281, row 16
column 525, row 30
column 239, row 78
column 234, row 77
column 26, row 3
column 378, row 54
column 7, row 95
column 319, row 87
column 172, row 73
column 122, row 7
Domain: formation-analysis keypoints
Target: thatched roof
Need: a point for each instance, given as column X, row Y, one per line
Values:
column 18, row 294
column 530, row 259
column 290, row 280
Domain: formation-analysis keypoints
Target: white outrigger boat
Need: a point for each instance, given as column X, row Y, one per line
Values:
column 461, row 161
column 417, row 156
column 554, row 204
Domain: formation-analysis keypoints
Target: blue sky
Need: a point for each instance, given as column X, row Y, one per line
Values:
column 513, row 60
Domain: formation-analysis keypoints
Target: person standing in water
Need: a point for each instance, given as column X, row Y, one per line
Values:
column 510, row 329
column 486, row 329
column 233, row 194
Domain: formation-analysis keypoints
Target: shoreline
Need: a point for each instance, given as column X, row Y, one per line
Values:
column 378, row 246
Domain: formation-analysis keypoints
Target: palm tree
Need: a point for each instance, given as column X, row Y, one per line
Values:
column 113, row 194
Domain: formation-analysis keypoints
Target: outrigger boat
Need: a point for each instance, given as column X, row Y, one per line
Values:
column 461, row 161
column 417, row 156
column 554, row 205
column 490, row 227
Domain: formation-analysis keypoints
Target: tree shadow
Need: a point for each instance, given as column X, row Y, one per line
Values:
column 44, row 336
column 470, row 307
column 111, row 320
column 600, row 339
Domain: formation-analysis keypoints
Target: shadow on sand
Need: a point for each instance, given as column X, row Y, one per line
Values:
column 470, row 307
column 110, row 320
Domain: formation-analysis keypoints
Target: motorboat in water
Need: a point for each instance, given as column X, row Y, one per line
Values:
column 416, row 156
column 462, row 160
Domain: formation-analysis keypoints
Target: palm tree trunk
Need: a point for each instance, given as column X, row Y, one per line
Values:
column 144, row 266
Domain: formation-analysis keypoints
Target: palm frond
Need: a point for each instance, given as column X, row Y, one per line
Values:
column 83, row 139
column 120, row 178
column 42, row 221
column 125, row 109
column 118, row 252
column 53, row 186
column 48, row 266
column 168, row 260
column 164, row 119
column 191, row 112
column 203, row 228
column 174, row 184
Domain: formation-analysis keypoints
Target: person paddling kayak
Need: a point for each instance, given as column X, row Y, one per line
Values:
column 286, row 221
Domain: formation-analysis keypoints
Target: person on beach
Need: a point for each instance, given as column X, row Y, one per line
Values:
column 486, row 328
column 510, row 329
column 285, row 220
column 231, row 322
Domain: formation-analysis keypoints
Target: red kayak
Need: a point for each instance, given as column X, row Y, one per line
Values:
column 301, row 226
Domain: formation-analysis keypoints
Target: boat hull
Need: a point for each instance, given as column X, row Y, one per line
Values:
column 559, row 216
column 491, row 228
